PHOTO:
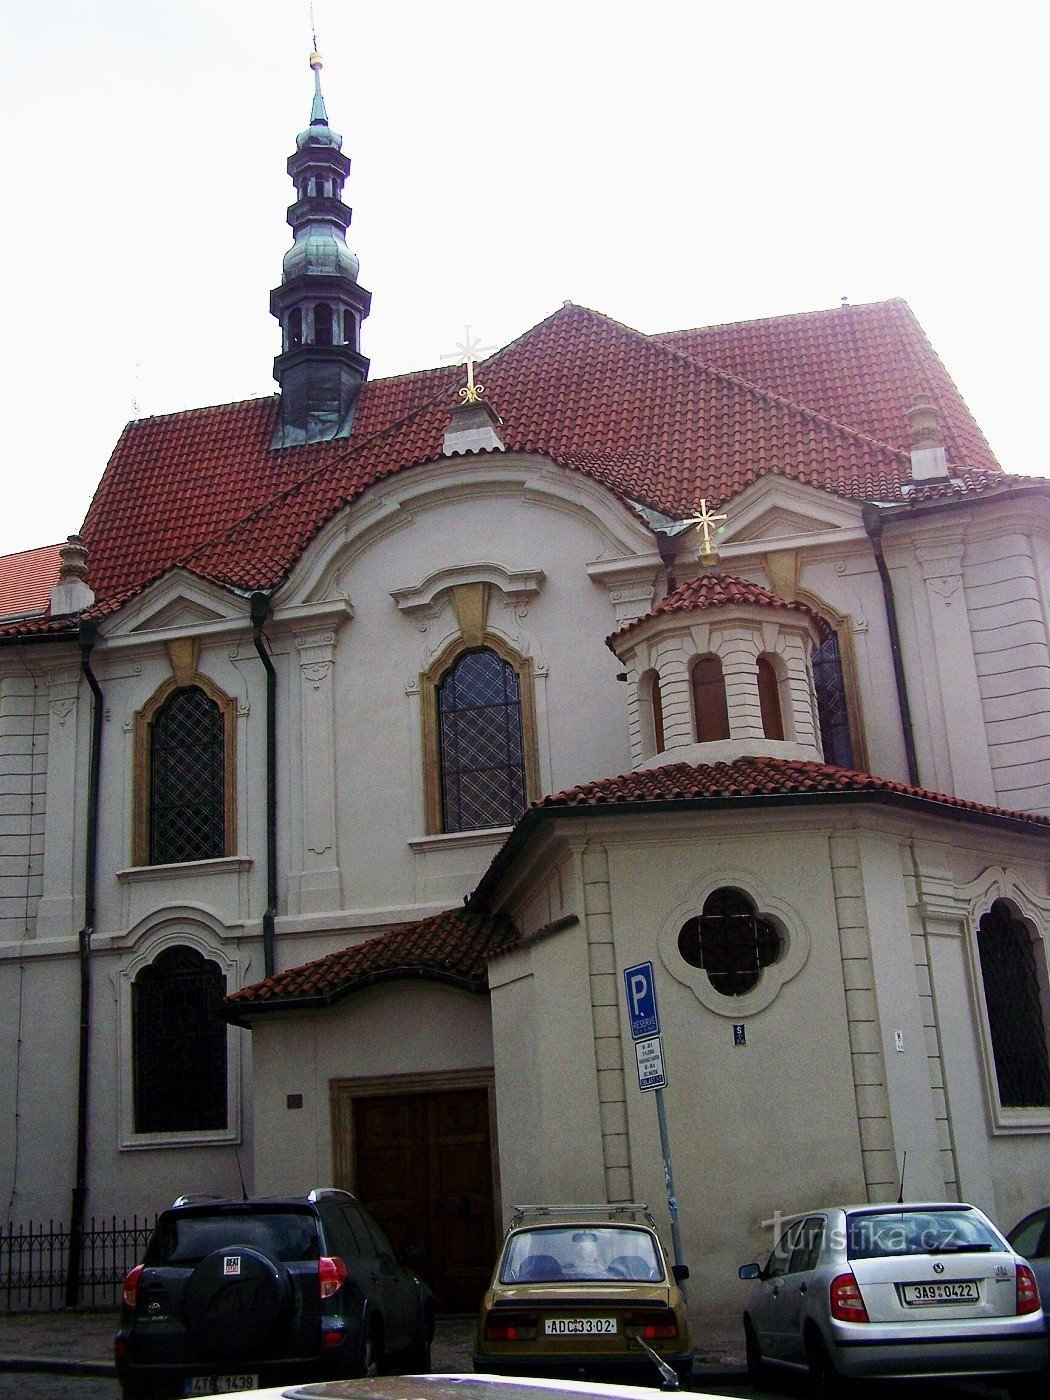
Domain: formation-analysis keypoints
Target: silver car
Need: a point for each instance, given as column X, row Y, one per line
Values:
column 906, row 1290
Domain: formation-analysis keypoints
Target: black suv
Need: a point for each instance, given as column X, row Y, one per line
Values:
column 232, row 1295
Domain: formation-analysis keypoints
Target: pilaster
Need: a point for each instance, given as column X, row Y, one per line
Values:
column 56, row 917
column 320, row 882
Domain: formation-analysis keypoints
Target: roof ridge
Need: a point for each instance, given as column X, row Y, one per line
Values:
column 783, row 316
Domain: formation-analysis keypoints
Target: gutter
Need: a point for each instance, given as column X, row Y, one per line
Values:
column 873, row 525
column 259, row 607
column 477, row 902
column 87, row 637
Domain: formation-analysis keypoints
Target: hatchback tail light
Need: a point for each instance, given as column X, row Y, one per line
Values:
column 652, row 1326
column 510, row 1327
column 331, row 1275
column 846, row 1303
column 1027, row 1291
column 131, row 1287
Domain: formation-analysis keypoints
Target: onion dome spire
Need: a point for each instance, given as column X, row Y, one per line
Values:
column 319, row 304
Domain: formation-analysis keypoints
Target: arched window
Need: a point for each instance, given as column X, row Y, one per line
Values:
column 295, row 328
column 480, row 743
column 769, row 699
column 349, row 327
column 179, row 1044
column 187, row 779
column 710, row 709
column 658, row 716
column 1015, row 1000
column 731, row 941
column 322, row 324
column 832, row 710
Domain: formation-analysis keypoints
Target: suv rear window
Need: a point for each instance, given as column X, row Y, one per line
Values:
column 878, row 1235
column 187, row 1239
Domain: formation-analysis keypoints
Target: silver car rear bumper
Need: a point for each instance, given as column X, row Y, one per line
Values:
column 996, row 1347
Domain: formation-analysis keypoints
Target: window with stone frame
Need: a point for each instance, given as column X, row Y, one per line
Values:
column 832, row 706
column 731, row 941
column 179, row 1044
column 184, row 775
column 710, row 706
column 1016, row 999
column 769, row 699
column 481, row 742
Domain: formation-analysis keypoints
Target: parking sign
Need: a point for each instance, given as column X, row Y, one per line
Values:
column 641, row 1001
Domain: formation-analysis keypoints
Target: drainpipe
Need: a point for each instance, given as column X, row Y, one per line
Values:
column 87, row 637
column 259, row 606
column 873, row 523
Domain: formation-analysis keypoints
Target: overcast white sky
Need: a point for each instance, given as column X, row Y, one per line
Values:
column 668, row 164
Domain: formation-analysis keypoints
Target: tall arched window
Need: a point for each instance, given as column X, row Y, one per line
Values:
column 480, row 743
column 187, row 787
column 322, row 324
column 295, row 328
column 1014, row 996
column 769, row 699
column 710, row 709
column 658, row 716
column 832, row 709
column 179, row 1042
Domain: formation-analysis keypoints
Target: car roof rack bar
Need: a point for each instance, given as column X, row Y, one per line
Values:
column 597, row 1208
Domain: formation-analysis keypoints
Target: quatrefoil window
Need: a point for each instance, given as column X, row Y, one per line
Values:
column 730, row 941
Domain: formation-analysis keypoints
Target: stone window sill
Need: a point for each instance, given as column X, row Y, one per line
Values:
column 184, row 870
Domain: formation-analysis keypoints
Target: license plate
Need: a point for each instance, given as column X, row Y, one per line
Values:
column 580, row 1327
column 960, row 1290
column 219, row 1385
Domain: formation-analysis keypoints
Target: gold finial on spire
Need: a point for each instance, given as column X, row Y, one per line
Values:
column 703, row 520
column 468, row 352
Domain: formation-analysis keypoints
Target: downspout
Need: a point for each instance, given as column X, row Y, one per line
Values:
column 259, row 606
column 873, row 525
column 87, row 637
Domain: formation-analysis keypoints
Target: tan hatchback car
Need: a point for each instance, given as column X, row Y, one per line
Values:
column 584, row 1291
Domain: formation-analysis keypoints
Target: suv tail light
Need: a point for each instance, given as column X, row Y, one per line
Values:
column 510, row 1327
column 654, row 1326
column 131, row 1287
column 846, row 1303
column 1027, row 1291
column 331, row 1275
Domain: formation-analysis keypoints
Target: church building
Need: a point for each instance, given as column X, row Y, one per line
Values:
column 365, row 736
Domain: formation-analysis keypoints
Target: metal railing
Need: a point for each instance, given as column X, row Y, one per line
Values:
column 34, row 1258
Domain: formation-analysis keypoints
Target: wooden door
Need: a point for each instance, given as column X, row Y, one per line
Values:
column 423, row 1166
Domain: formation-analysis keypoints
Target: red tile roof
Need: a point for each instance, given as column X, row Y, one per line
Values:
column 716, row 591
column 861, row 365
column 26, row 580
column 643, row 416
column 756, row 777
column 451, row 947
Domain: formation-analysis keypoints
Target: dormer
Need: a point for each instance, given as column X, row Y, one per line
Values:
column 720, row 670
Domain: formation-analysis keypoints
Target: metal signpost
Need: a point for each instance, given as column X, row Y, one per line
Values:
column 649, row 1053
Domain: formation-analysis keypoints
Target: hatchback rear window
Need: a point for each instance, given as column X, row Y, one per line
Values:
column 555, row 1254
column 877, row 1235
column 186, row 1239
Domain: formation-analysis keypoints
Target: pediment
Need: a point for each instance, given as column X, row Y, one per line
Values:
column 179, row 604
column 786, row 513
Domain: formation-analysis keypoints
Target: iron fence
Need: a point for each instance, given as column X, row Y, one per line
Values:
column 34, row 1260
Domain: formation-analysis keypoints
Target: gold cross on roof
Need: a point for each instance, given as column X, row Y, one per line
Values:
column 703, row 520
column 468, row 352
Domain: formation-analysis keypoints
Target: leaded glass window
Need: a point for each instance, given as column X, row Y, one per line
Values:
column 180, row 1044
column 731, row 941
column 831, row 704
column 480, row 739
column 187, row 807
column 1016, row 1018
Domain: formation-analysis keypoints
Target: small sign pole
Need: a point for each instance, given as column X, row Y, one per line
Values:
column 645, row 1031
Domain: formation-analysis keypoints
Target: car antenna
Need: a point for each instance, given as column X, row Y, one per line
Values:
column 669, row 1378
column 904, row 1168
column 237, row 1159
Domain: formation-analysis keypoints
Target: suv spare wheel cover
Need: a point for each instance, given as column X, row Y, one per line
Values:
column 235, row 1298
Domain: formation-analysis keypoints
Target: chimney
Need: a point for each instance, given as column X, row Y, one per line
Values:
column 928, row 461
column 71, row 593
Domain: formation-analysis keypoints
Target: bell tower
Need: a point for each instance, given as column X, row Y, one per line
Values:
column 320, row 304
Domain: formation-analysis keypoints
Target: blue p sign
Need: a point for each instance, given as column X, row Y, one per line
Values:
column 641, row 1001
